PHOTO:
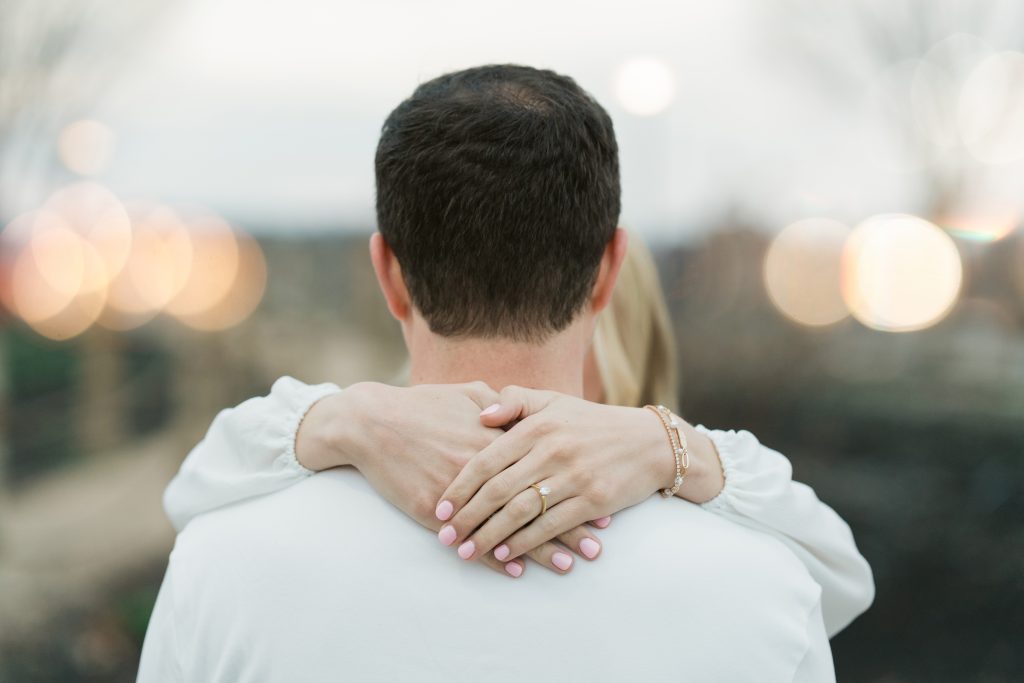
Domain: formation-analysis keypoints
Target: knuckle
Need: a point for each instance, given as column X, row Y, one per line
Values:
column 546, row 525
column 423, row 506
column 499, row 487
column 458, row 459
column 600, row 495
column 541, row 426
column 521, row 508
column 585, row 477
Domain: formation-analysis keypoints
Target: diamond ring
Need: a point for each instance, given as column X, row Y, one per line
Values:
column 543, row 491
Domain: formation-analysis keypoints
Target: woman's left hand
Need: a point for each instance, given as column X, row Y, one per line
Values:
column 594, row 459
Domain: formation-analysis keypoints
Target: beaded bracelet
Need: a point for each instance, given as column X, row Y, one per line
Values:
column 677, row 441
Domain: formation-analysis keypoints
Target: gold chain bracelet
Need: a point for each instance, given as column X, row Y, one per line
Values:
column 677, row 441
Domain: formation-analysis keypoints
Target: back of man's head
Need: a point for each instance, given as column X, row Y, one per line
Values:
column 498, row 191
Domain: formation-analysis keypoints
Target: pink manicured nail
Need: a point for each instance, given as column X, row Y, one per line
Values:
column 501, row 552
column 447, row 534
column 590, row 547
column 466, row 550
column 600, row 522
column 561, row 560
column 491, row 409
column 514, row 568
column 444, row 510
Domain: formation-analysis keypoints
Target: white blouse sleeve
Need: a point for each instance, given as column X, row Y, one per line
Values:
column 248, row 451
column 760, row 493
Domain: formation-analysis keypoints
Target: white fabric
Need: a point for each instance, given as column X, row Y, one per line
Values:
column 760, row 493
column 325, row 581
column 250, row 451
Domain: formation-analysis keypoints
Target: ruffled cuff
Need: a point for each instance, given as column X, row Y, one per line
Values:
column 299, row 399
column 726, row 443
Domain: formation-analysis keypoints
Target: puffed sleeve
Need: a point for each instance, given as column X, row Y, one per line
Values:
column 760, row 493
column 248, row 451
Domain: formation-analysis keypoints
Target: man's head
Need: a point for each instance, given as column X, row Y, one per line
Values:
column 498, row 193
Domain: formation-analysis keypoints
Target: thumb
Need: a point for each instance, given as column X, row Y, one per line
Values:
column 479, row 393
column 515, row 403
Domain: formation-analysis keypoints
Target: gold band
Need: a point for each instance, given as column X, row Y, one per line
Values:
column 677, row 441
column 543, row 492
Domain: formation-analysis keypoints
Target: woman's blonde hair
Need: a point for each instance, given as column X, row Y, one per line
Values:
column 634, row 345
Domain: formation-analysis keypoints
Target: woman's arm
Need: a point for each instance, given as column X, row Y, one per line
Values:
column 248, row 451
column 760, row 493
column 601, row 459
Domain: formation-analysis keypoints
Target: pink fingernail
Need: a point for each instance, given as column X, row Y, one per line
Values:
column 562, row 561
column 501, row 552
column 466, row 550
column 444, row 510
column 602, row 522
column 491, row 409
column 514, row 568
column 590, row 547
column 447, row 534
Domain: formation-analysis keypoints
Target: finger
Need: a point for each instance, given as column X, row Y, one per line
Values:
column 482, row 468
column 582, row 542
column 555, row 522
column 512, row 568
column 480, row 393
column 515, row 514
column 602, row 522
column 489, row 502
column 552, row 556
column 515, row 403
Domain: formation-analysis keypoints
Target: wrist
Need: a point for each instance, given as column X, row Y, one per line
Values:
column 315, row 440
column 334, row 431
column 705, row 478
column 660, row 464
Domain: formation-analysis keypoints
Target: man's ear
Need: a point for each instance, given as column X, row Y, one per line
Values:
column 608, row 273
column 389, row 277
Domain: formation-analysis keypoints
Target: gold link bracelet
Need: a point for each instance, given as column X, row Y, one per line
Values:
column 677, row 441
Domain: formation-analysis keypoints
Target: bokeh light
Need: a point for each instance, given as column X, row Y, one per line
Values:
column 85, row 146
column 900, row 273
column 990, row 115
column 245, row 287
column 157, row 268
column 99, row 217
column 987, row 208
column 802, row 271
column 936, row 85
column 49, row 311
column 84, row 259
column 215, row 259
column 644, row 86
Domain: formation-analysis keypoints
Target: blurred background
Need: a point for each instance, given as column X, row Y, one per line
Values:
column 833, row 192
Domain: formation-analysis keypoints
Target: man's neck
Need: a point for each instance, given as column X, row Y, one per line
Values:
column 556, row 364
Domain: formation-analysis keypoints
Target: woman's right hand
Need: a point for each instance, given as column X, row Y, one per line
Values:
column 410, row 443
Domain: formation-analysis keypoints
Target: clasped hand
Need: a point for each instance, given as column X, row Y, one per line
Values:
column 460, row 459
column 586, row 461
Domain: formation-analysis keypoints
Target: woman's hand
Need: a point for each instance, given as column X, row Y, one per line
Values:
column 409, row 443
column 594, row 459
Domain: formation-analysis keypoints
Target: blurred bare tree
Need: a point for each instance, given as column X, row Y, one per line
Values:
column 55, row 62
column 906, row 62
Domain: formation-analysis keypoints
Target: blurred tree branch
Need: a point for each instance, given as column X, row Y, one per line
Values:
column 847, row 46
column 56, row 59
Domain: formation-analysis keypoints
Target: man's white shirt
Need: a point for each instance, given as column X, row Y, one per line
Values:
column 326, row 581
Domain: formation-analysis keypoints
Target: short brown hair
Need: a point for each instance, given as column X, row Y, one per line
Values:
column 498, row 191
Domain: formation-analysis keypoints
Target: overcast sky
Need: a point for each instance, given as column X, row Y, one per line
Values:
column 269, row 111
